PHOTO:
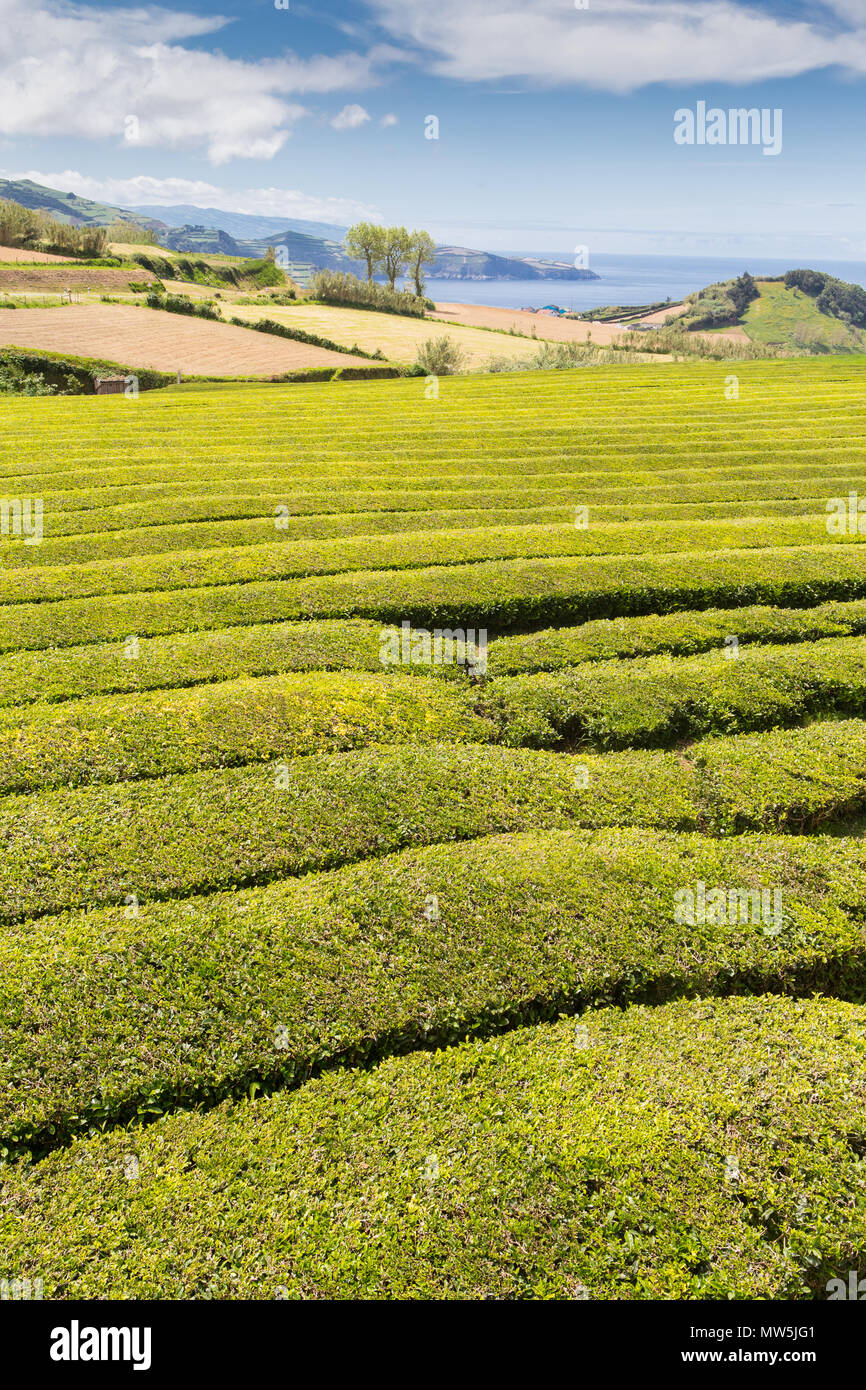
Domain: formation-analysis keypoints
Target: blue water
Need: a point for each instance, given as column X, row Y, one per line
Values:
column 628, row 280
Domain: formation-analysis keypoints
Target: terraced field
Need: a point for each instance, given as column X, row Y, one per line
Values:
column 344, row 958
column 166, row 342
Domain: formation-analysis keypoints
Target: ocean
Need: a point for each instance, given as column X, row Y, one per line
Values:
column 627, row 280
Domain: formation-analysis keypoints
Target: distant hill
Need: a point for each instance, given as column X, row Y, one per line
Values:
column 461, row 263
column 310, row 246
column 69, row 207
column 204, row 240
column 243, row 226
column 802, row 309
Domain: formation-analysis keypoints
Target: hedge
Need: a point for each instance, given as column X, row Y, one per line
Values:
column 349, row 966
column 663, row 699
column 28, row 576
column 111, row 738
column 285, row 330
column 56, row 367
column 499, row 596
column 187, row 659
column 704, row 1149
column 73, row 513
column 680, row 634
column 204, row 831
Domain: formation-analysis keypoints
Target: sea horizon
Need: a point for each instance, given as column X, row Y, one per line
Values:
column 629, row 279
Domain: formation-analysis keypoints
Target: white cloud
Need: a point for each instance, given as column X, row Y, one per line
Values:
column 75, row 70
column 389, row 119
column 621, row 45
column 143, row 190
column 350, row 118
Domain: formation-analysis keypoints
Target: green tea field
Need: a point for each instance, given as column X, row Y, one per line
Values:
column 432, row 822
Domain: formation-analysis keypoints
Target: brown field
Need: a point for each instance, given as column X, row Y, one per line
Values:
column 544, row 325
column 16, row 253
column 670, row 311
column 560, row 330
column 54, row 279
column 139, row 337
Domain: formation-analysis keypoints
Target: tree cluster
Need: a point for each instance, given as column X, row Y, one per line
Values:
column 389, row 251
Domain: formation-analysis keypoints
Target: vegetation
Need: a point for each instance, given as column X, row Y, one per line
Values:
column 130, row 233
column 603, row 1157
column 388, row 250
column 336, row 287
column 440, row 357
column 275, row 946
column 29, row 228
column 720, row 304
column 325, row 977
column 837, row 297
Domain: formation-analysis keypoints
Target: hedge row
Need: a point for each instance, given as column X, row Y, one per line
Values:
column 192, row 658
column 552, row 526
column 58, row 368
column 70, row 514
column 662, row 699
column 204, row 831
column 35, row 579
column 456, row 459
column 416, row 948
column 620, row 497
column 680, row 634
column 285, row 330
column 110, row 738
column 499, row 596
column 704, row 1149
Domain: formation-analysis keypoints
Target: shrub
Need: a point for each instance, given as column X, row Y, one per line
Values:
column 563, row 1161
column 337, row 287
column 440, row 357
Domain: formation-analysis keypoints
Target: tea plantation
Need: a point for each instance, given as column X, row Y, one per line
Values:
column 432, row 840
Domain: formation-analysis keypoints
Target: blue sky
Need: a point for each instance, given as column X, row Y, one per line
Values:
column 555, row 122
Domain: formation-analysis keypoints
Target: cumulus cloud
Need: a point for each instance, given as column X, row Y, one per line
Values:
column 75, row 70
column 389, row 119
column 621, row 45
column 144, row 190
column 350, row 118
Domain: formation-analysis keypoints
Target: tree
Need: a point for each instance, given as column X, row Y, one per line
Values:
column 422, row 251
column 396, row 250
column 366, row 242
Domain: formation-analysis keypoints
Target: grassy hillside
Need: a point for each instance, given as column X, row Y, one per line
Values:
column 786, row 317
column 67, row 207
column 333, row 969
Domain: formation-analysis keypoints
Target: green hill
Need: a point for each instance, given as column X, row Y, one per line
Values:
column 69, row 207
column 785, row 316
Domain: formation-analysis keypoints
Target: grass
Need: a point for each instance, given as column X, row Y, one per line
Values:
column 790, row 318
column 398, row 337
column 327, row 980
